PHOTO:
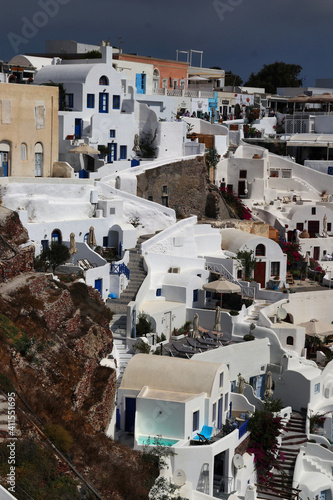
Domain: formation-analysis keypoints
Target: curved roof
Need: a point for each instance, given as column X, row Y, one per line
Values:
column 234, row 239
column 68, row 73
column 170, row 374
column 33, row 61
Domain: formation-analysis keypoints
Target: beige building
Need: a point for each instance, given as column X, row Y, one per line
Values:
column 28, row 130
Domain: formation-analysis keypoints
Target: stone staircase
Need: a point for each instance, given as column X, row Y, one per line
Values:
column 253, row 316
column 137, row 275
column 119, row 307
column 231, row 149
column 293, row 437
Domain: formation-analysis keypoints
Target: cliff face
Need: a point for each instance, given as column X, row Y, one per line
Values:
column 16, row 255
column 52, row 338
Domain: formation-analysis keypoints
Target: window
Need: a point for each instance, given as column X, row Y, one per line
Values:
column 69, row 99
column 300, row 226
column 275, row 268
column 195, row 295
column 150, row 198
column 290, row 340
column 23, row 151
column 165, row 202
column 214, row 412
column 123, row 152
column 233, row 386
column 103, row 102
column 329, row 226
column 165, row 189
column 317, row 388
column 226, row 402
column 195, row 426
column 239, row 273
column 260, row 250
column 104, row 80
column 105, row 241
column 56, row 236
column 313, row 211
column 175, row 83
column 221, row 379
column 116, row 102
column 158, row 292
column 112, row 134
column 274, row 173
column 90, row 100
column 165, row 83
column 242, row 174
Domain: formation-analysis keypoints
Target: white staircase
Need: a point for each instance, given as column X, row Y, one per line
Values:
column 120, row 351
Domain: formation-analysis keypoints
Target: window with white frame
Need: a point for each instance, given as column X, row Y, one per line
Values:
column 221, row 379
column 317, row 388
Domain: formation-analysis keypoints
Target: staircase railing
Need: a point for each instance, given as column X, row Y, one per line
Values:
column 220, row 269
column 120, row 269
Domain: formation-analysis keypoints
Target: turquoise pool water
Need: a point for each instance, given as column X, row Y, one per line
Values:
column 162, row 441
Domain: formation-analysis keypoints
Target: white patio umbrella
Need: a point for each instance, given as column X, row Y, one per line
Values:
column 85, row 149
column 268, row 385
column 241, row 385
column 195, row 333
column 217, row 325
column 222, row 286
column 72, row 245
column 317, row 328
column 91, row 241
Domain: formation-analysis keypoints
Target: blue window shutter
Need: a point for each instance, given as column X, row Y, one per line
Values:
column 138, row 83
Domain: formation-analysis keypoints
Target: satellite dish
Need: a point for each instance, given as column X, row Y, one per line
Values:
column 238, row 461
column 281, row 313
column 179, row 477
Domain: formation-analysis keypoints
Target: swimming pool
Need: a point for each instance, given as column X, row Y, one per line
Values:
column 146, row 440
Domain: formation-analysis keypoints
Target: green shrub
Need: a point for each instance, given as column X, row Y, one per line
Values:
column 5, row 383
column 59, row 437
column 233, row 313
column 143, row 325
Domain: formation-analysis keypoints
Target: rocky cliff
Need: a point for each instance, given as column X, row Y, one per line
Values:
column 52, row 337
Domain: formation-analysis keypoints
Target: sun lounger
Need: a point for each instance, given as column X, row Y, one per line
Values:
column 196, row 345
column 204, row 435
column 183, row 350
column 208, row 342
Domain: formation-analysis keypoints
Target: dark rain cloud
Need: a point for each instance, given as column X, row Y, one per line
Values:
column 238, row 35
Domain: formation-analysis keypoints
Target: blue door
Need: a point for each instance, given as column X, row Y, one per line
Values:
column 98, row 285
column 112, row 156
column 220, row 413
column 140, row 82
column 130, row 408
column 78, row 128
column 4, row 162
column 83, row 174
column 103, row 102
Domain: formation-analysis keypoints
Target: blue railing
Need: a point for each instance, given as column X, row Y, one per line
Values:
column 243, row 429
column 120, row 269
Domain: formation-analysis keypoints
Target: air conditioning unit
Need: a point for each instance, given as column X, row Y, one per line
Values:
column 175, row 270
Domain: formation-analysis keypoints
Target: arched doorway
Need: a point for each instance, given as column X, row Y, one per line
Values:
column 38, row 160
column 4, row 158
column 56, row 236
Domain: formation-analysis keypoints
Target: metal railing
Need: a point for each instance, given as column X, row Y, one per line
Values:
column 243, row 429
column 120, row 269
column 248, row 292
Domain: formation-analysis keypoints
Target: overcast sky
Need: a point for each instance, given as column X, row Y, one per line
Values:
column 237, row 35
